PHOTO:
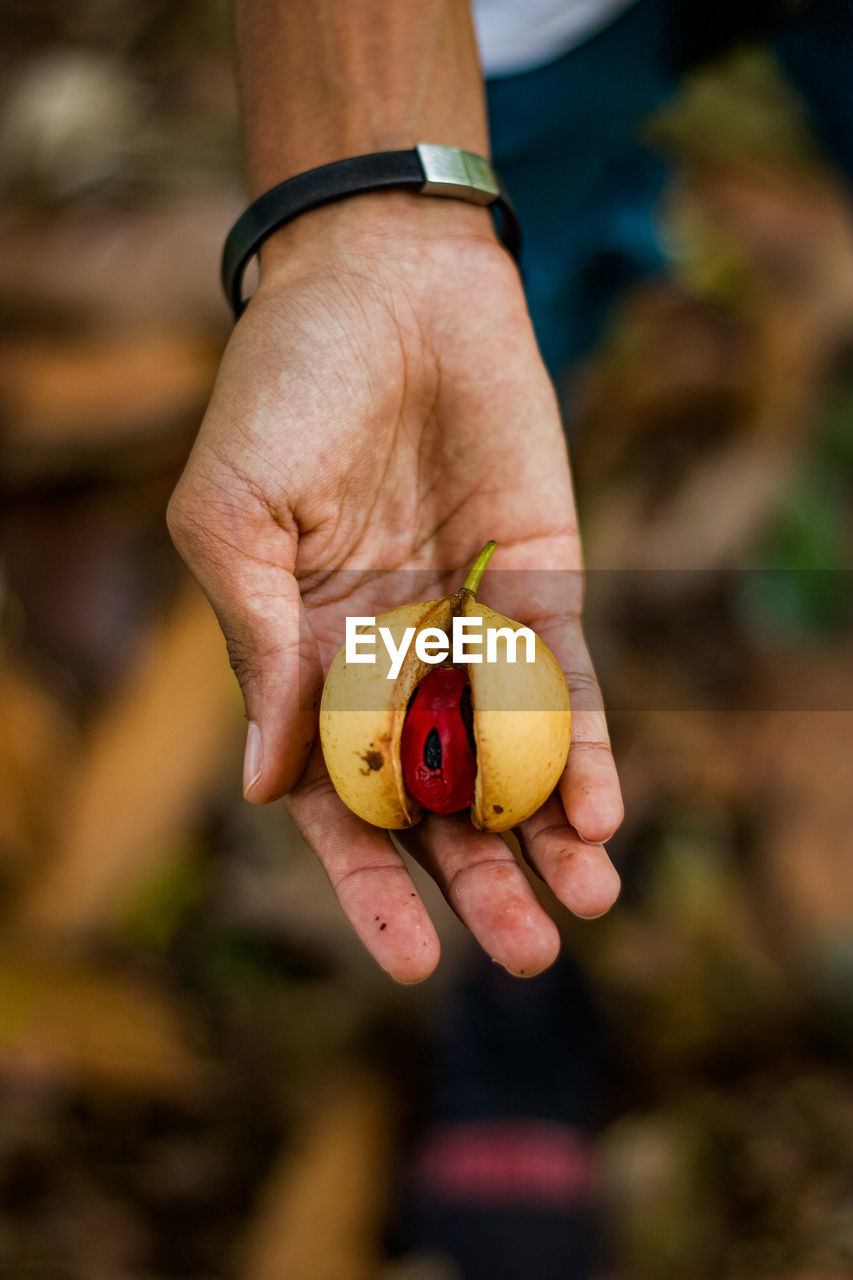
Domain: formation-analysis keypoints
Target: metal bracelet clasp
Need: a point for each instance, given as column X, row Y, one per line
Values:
column 449, row 171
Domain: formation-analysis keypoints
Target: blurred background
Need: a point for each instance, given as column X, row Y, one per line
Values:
column 202, row 1075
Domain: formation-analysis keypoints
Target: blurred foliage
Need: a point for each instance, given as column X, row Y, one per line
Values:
column 741, row 108
column 806, row 547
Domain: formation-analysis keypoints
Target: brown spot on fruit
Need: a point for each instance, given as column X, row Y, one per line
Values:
column 497, row 808
column 374, row 761
column 383, row 926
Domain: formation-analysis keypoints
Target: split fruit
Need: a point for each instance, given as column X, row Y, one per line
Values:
column 491, row 736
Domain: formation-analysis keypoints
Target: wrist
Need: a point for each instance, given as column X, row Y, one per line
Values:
column 386, row 225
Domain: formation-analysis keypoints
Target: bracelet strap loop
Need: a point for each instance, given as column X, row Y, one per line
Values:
column 428, row 168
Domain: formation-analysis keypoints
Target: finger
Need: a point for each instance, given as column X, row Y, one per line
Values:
column 580, row 874
column 244, row 562
column 374, row 888
column 488, row 891
column 589, row 787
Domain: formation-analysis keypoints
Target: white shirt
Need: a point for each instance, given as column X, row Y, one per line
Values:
column 517, row 35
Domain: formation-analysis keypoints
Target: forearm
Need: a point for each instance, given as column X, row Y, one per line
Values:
column 324, row 79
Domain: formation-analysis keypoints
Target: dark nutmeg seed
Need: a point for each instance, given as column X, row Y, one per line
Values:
column 436, row 751
column 432, row 750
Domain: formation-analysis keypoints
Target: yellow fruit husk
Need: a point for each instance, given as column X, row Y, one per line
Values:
column 361, row 721
column 522, row 728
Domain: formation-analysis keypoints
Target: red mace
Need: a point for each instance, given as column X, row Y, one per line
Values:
column 436, row 751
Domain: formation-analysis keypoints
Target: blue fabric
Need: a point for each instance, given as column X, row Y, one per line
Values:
column 565, row 142
column 566, row 139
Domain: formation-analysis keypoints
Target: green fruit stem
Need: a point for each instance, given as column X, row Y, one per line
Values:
column 472, row 582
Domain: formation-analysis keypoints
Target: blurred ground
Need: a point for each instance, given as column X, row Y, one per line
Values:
column 202, row 1074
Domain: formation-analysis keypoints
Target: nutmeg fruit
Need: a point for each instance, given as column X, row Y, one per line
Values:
column 491, row 736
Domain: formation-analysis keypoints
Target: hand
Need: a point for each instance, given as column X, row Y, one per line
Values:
column 382, row 405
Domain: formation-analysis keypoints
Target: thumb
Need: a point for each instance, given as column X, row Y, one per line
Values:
column 244, row 563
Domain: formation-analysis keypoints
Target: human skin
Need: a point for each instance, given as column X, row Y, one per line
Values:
column 382, row 405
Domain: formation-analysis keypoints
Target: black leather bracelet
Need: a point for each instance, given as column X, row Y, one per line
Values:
column 432, row 170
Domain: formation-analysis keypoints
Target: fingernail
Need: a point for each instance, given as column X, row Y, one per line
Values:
column 254, row 758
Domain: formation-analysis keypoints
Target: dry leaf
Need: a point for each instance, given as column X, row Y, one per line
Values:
column 321, row 1211
column 170, row 737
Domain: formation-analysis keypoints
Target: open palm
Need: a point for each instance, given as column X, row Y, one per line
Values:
column 375, row 421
